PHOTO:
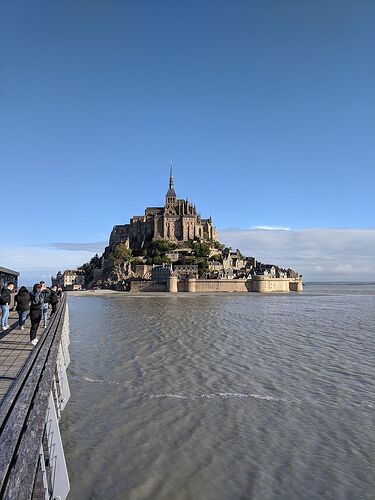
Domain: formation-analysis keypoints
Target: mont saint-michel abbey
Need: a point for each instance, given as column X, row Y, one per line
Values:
column 177, row 221
column 173, row 249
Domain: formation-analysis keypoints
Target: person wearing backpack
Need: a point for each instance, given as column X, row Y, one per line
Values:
column 46, row 301
column 22, row 300
column 54, row 300
column 36, row 311
column 5, row 298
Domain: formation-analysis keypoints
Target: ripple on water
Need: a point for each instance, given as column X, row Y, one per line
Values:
column 217, row 397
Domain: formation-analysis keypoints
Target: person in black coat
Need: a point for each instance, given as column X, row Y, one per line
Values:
column 22, row 300
column 46, row 292
column 5, row 298
column 54, row 299
column 36, row 310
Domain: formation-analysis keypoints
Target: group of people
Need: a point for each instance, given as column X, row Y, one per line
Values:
column 35, row 304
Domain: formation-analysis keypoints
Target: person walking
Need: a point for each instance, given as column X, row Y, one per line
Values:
column 5, row 299
column 36, row 311
column 12, row 303
column 46, row 301
column 22, row 300
column 54, row 300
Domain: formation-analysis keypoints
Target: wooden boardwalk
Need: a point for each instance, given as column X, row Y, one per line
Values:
column 34, row 391
column 15, row 348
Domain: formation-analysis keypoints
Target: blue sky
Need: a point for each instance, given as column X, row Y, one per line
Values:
column 267, row 110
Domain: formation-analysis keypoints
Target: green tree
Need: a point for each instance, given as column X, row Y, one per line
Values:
column 121, row 252
column 189, row 243
column 157, row 260
column 110, row 256
column 137, row 261
column 202, row 266
column 96, row 261
column 201, row 249
column 157, row 248
column 218, row 245
column 88, row 267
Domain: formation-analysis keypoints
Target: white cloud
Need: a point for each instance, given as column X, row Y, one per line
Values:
column 40, row 262
column 96, row 246
column 318, row 254
column 272, row 228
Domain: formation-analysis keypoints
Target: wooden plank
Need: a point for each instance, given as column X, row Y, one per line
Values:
column 4, row 386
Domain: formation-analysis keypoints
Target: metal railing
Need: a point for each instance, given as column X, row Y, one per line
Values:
column 23, row 414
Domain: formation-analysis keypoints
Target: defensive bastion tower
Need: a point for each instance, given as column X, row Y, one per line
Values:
column 177, row 221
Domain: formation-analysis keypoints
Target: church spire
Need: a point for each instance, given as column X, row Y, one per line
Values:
column 171, row 198
column 171, row 185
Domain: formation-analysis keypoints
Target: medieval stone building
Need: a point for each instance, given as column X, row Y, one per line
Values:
column 177, row 221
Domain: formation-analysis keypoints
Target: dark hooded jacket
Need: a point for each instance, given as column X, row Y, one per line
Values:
column 46, row 295
column 22, row 299
column 5, row 296
column 36, row 298
column 54, row 297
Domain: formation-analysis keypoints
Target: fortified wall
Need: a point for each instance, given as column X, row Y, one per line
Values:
column 258, row 284
column 268, row 284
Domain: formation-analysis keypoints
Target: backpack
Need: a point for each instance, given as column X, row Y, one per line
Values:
column 54, row 297
column 36, row 301
column 46, row 295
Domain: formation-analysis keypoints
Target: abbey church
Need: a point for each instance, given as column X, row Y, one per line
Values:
column 177, row 221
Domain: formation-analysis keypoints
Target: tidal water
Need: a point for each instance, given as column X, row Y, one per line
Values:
column 230, row 396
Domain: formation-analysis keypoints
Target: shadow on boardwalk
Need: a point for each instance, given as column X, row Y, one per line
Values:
column 15, row 348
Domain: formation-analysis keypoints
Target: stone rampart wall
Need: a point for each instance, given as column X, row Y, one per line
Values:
column 268, row 284
column 147, row 286
column 259, row 284
column 296, row 285
column 221, row 286
column 182, row 286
